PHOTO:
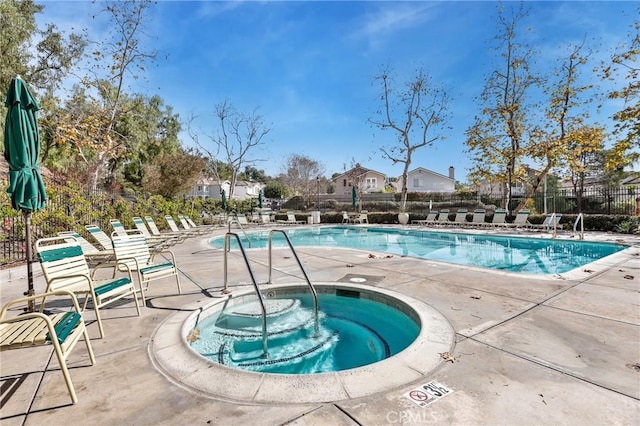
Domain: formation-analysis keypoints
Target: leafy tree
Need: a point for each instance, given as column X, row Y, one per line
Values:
column 172, row 174
column 231, row 147
column 152, row 131
column 276, row 190
column 252, row 174
column 496, row 139
column 624, row 66
column 119, row 55
column 412, row 113
column 43, row 65
column 584, row 148
column 565, row 135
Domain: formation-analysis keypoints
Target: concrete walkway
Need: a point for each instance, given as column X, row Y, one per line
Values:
column 529, row 350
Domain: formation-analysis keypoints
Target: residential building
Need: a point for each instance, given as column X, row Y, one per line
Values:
column 207, row 187
column 423, row 180
column 365, row 180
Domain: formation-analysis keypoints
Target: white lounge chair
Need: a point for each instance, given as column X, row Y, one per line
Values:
column 132, row 251
column 431, row 217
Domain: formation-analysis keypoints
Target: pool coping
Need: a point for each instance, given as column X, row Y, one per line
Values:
column 168, row 350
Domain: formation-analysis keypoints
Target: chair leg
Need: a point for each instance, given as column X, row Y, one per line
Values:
column 178, row 281
column 65, row 371
column 97, row 309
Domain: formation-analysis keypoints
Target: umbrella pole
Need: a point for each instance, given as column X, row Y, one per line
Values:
column 30, row 292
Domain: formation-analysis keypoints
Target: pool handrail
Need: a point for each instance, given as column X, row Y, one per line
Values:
column 580, row 219
column 265, row 352
column 314, row 293
column 232, row 221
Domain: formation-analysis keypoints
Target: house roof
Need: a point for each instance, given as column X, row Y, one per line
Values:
column 358, row 170
column 427, row 171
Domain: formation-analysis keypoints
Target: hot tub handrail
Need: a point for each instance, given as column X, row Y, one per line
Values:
column 304, row 273
column 265, row 353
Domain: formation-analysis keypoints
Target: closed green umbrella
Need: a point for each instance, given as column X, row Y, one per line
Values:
column 22, row 150
column 354, row 197
column 223, row 196
column 260, row 199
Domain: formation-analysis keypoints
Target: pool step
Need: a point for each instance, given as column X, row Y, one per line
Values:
column 249, row 315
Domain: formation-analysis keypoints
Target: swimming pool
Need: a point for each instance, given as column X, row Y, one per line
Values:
column 508, row 253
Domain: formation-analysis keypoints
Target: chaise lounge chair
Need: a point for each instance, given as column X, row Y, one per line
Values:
column 550, row 222
column 100, row 236
column 478, row 218
column 460, row 219
column 90, row 251
column 431, row 217
column 443, row 217
column 291, row 220
column 132, row 253
column 520, row 221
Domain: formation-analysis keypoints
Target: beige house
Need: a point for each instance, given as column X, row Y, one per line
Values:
column 364, row 180
column 423, row 180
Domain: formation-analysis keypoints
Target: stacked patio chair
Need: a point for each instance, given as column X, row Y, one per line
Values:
column 91, row 252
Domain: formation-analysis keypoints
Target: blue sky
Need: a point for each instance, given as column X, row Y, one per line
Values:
column 308, row 66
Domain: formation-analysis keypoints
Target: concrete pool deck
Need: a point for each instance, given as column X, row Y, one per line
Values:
column 529, row 349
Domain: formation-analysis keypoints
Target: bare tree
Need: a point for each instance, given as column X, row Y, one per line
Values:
column 301, row 173
column 413, row 113
column 237, row 136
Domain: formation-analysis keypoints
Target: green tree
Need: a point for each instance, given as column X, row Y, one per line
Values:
column 120, row 54
column 276, row 190
column 496, row 139
column 624, row 67
column 565, row 132
column 172, row 174
column 42, row 64
column 253, row 174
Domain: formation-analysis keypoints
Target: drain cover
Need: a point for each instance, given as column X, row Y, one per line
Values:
column 359, row 278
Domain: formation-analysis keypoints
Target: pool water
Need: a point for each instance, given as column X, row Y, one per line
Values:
column 515, row 254
column 352, row 332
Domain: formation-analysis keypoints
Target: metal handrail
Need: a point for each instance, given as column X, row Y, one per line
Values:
column 295, row 255
column 241, row 228
column 579, row 218
column 265, row 353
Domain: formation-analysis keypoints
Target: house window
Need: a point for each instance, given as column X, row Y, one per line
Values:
column 418, row 183
column 371, row 183
column 344, row 182
column 199, row 188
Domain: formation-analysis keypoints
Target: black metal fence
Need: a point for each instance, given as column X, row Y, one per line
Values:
column 603, row 201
